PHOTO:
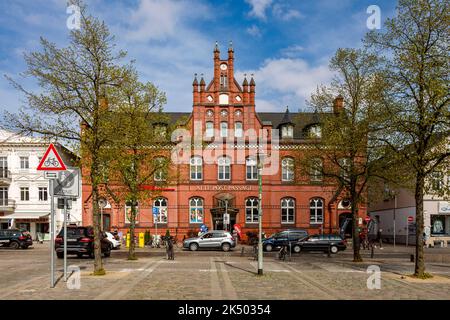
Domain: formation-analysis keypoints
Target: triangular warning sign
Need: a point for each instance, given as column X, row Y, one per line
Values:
column 51, row 160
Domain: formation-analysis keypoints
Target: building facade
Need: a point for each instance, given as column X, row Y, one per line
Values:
column 216, row 175
column 24, row 193
column 393, row 211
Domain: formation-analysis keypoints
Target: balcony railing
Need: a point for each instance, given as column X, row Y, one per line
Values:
column 7, row 204
column 5, row 176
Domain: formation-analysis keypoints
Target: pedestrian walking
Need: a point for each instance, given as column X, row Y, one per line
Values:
column 379, row 237
column 170, row 253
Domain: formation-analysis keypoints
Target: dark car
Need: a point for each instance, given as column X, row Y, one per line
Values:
column 80, row 241
column 15, row 239
column 321, row 242
column 284, row 238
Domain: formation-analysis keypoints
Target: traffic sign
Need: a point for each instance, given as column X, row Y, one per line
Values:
column 410, row 219
column 367, row 218
column 155, row 211
column 67, row 183
column 51, row 161
column 50, row 175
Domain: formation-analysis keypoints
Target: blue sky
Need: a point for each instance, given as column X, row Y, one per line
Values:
column 286, row 44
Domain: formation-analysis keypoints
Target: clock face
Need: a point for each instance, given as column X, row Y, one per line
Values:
column 223, row 66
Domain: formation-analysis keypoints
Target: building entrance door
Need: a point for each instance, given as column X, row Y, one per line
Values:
column 223, row 204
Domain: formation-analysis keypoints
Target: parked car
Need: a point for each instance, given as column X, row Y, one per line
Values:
column 283, row 238
column 321, row 242
column 80, row 241
column 214, row 239
column 15, row 238
column 115, row 244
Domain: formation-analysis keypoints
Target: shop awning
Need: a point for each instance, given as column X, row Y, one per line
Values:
column 25, row 215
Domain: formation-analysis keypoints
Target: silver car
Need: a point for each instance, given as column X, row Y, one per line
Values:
column 214, row 239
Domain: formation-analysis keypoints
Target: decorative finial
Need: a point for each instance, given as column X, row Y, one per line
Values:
column 216, row 47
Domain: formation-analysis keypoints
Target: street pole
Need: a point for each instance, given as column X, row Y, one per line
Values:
column 260, row 251
column 65, row 239
column 226, row 212
column 101, row 217
column 52, row 236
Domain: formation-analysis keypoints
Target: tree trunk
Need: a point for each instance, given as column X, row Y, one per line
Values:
column 355, row 233
column 98, row 262
column 131, row 249
column 419, row 269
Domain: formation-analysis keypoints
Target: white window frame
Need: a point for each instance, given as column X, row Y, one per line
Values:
column 251, row 167
column 196, row 168
column 288, row 204
column 24, row 163
column 159, row 175
column 196, row 208
column 314, row 211
column 162, row 216
column 43, row 193
column 315, row 131
column 287, row 169
column 315, row 173
column 251, row 210
column 223, row 168
column 24, row 193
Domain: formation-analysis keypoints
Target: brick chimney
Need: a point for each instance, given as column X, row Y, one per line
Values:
column 338, row 104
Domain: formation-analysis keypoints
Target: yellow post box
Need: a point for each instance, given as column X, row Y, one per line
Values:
column 141, row 240
column 128, row 240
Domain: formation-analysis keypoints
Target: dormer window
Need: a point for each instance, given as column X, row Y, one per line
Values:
column 160, row 130
column 287, row 131
column 315, row 131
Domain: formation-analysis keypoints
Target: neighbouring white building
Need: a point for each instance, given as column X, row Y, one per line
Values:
column 392, row 214
column 24, row 192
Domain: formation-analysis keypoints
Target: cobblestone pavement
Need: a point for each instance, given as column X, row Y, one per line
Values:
column 217, row 275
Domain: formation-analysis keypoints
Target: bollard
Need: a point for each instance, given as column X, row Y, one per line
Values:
column 329, row 252
column 242, row 251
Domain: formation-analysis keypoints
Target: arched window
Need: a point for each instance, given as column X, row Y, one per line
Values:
column 316, row 169
column 223, row 129
column 251, row 210
column 251, row 169
column 196, row 168
column 316, row 211
column 287, row 210
column 287, row 169
column 160, row 169
column 224, row 168
column 209, row 129
column 196, row 210
column 160, row 207
column 238, row 129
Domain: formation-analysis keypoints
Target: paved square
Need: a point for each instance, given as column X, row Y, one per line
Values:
column 218, row 275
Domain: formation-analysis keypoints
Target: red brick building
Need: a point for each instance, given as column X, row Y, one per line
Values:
column 224, row 176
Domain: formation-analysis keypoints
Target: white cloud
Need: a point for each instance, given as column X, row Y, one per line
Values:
column 254, row 31
column 259, row 8
column 291, row 80
column 284, row 13
column 160, row 19
column 292, row 51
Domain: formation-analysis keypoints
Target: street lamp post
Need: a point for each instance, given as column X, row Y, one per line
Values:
column 260, row 248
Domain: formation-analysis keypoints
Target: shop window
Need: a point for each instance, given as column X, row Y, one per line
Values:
column 251, row 210
column 438, row 226
column 196, row 210
column 160, row 206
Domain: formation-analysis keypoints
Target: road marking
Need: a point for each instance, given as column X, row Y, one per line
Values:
column 229, row 289
column 119, row 291
column 216, row 291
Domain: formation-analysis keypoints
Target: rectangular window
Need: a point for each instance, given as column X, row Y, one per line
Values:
column 3, row 167
column 3, row 196
column 24, row 194
column 128, row 213
column 24, row 163
column 223, row 129
column 209, row 129
column 238, row 129
column 43, row 195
